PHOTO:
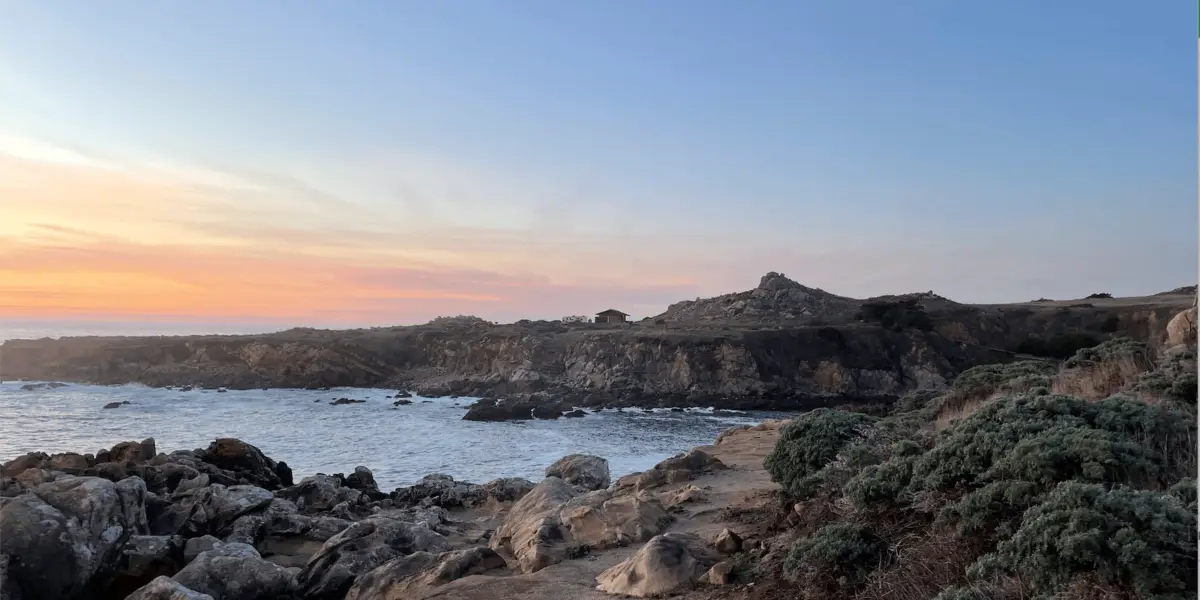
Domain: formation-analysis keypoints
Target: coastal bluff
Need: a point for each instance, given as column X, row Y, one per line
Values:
column 779, row 346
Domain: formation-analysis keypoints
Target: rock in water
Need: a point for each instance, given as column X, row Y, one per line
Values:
column 667, row 563
column 164, row 588
column 361, row 548
column 69, row 531
column 584, row 470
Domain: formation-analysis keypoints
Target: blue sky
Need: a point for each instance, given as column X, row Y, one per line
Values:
column 989, row 151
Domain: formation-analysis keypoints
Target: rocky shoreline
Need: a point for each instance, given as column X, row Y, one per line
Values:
column 780, row 346
column 229, row 523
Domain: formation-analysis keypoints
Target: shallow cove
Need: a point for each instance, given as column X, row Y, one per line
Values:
column 300, row 427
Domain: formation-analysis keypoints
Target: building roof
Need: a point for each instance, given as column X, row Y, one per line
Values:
column 611, row 312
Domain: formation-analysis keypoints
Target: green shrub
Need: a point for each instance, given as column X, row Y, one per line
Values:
column 1113, row 349
column 988, row 378
column 883, row 484
column 1185, row 491
column 839, row 555
column 1045, row 439
column 1173, row 379
column 1140, row 541
column 809, row 443
column 991, row 508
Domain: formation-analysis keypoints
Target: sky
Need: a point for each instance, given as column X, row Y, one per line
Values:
column 386, row 162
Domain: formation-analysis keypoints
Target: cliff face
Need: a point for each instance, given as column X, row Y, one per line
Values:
column 725, row 351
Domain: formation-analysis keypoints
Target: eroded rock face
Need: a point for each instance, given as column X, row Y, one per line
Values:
column 531, row 532
column 64, row 534
column 677, row 469
column 583, row 470
column 235, row 572
column 164, row 588
column 359, row 549
column 599, row 520
column 409, row 576
column 667, row 563
column 1182, row 328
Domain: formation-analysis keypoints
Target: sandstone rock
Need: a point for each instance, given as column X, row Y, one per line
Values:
column 676, row 469
column 720, row 573
column 531, row 532
column 583, row 470
column 406, row 577
column 67, row 461
column 164, row 588
column 126, row 452
column 69, row 531
column 728, row 542
column 235, row 572
column 667, row 563
column 598, row 520
column 683, row 496
column 1182, row 328
column 16, row 466
column 361, row 548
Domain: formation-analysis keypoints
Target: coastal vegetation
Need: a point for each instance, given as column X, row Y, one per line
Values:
column 1021, row 480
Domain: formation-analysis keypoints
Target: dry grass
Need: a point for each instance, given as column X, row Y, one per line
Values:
column 956, row 406
column 1102, row 379
column 921, row 566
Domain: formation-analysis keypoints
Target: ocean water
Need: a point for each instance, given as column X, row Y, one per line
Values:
column 399, row 444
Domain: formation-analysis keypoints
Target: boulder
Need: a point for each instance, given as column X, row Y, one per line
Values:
column 444, row 491
column 362, row 479
column 677, row 469
column 409, row 576
column 16, row 466
column 720, row 573
column 244, row 460
column 235, row 572
column 165, row 588
column 1182, row 328
column 206, row 510
column 583, row 470
column 728, row 542
column 531, row 532
column 144, row 558
column 128, row 452
column 193, row 547
column 359, row 549
column 667, row 563
column 320, row 493
column 68, row 532
column 598, row 520
column 67, row 461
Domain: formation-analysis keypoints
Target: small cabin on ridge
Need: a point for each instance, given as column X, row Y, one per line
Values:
column 611, row 316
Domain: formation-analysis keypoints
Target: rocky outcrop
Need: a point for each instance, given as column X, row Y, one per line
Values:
column 64, row 536
column 668, row 563
column 409, row 576
column 235, row 572
column 1181, row 330
column 781, row 345
column 359, row 549
column 165, row 588
column 582, row 470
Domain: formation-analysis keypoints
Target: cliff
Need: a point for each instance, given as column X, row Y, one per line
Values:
column 781, row 345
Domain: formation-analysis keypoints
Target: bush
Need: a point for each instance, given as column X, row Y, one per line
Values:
column 839, row 555
column 1139, row 541
column 1114, row 349
column 988, row 378
column 990, row 509
column 883, row 484
column 1098, row 296
column 808, row 444
column 896, row 315
column 1046, row 439
column 1185, row 491
column 1174, row 380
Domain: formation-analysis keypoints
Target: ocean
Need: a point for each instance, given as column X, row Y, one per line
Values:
column 399, row 444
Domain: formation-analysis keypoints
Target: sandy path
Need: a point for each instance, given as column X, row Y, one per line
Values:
column 745, row 484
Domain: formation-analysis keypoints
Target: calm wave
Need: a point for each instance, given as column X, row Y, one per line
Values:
column 400, row 444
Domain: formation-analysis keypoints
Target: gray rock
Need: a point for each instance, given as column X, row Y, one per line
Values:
column 320, row 493
column 532, row 531
column 583, row 470
column 69, row 531
column 193, row 547
column 164, row 588
column 235, row 572
column 411, row 575
column 361, row 548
